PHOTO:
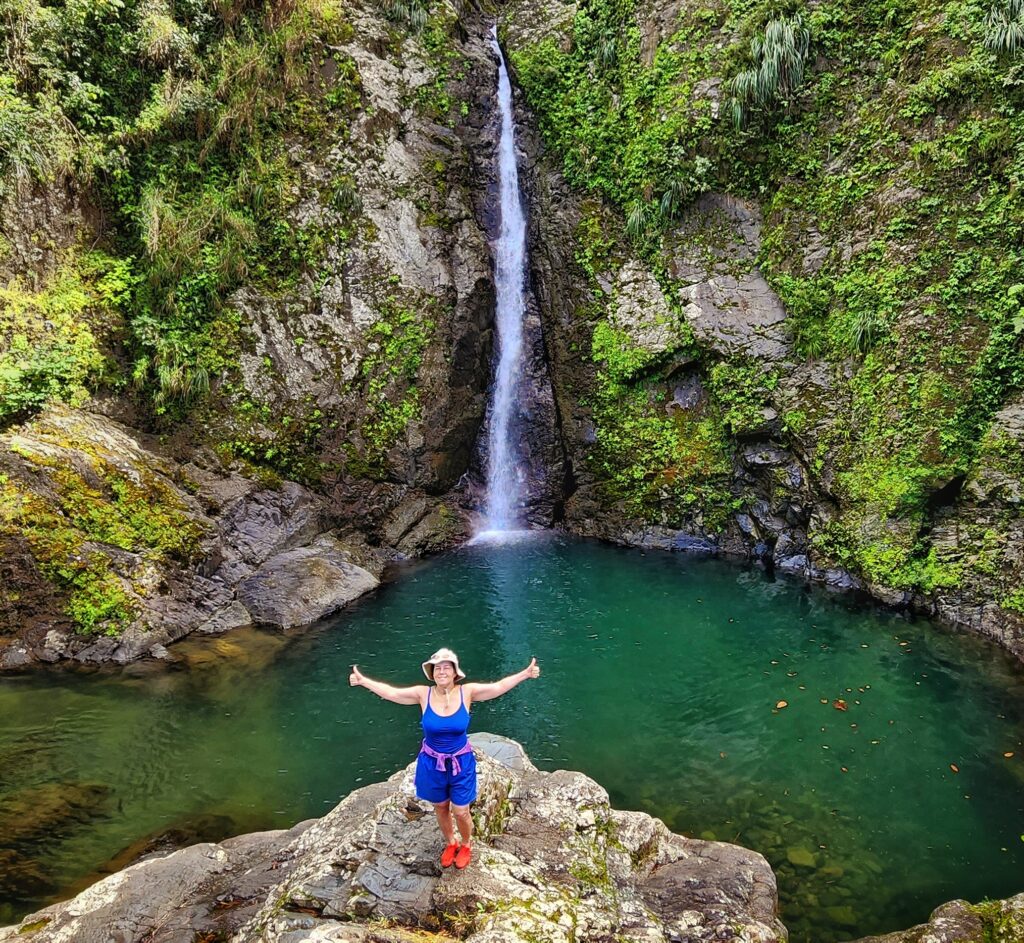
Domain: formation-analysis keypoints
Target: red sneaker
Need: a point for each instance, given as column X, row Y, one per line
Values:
column 448, row 855
column 462, row 858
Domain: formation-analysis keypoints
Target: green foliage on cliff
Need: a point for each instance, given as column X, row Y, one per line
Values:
column 662, row 464
column 178, row 114
column 886, row 148
column 56, row 338
column 398, row 341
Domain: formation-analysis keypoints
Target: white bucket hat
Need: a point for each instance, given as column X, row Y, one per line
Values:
column 442, row 654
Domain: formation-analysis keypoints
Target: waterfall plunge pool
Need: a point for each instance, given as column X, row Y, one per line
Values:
column 661, row 679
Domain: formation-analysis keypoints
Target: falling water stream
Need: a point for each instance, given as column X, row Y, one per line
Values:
column 504, row 475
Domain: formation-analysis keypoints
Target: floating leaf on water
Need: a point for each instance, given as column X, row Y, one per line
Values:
column 904, row 643
column 781, row 705
column 802, row 687
column 954, row 767
column 844, row 769
column 1008, row 755
column 774, row 662
column 824, row 700
column 876, row 741
column 839, row 704
column 790, row 674
column 854, row 726
column 722, row 755
column 825, row 746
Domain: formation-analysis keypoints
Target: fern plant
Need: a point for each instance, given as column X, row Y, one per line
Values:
column 777, row 70
column 1004, row 27
column 672, row 200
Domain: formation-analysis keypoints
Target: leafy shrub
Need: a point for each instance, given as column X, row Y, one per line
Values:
column 54, row 341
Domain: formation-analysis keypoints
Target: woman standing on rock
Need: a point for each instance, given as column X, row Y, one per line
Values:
column 441, row 778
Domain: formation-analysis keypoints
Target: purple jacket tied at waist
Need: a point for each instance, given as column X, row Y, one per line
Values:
column 441, row 757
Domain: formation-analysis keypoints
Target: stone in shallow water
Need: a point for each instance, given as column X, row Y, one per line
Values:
column 842, row 916
column 801, row 857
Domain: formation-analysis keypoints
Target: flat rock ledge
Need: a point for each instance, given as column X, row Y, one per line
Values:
column 553, row 862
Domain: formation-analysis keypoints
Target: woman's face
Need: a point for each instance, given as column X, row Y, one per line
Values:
column 444, row 672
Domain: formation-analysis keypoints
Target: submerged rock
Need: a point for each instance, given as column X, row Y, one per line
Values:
column 553, row 861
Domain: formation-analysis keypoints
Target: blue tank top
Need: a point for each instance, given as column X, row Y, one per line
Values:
column 446, row 734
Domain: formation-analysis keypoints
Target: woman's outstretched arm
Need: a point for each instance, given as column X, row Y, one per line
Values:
column 487, row 692
column 413, row 695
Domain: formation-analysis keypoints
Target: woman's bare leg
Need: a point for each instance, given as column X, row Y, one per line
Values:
column 443, row 812
column 465, row 822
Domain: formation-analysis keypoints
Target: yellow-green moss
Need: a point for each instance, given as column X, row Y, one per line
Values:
column 66, row 534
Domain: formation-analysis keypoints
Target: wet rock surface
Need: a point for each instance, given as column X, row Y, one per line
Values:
column 552, row 861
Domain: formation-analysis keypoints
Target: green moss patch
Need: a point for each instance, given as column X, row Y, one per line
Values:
column 89, row 508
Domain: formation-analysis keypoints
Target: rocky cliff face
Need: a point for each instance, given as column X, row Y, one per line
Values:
column 727, row 351
column 736, row 373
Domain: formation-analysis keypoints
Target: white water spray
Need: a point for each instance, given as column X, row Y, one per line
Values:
column 504, row 471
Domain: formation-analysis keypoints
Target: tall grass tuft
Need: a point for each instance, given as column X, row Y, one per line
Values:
column 865, row 329
column 161, row 41
column 777, row 68
column 410, row 12
column 1004, row 27
column 637, row 218
column 672, row 200
column 607, row 52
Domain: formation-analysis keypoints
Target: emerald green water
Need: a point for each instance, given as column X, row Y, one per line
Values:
column 661, row 675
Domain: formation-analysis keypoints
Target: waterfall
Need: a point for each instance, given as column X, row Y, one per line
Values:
column 504, row 471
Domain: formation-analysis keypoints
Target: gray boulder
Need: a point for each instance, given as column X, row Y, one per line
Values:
column 300, row 586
